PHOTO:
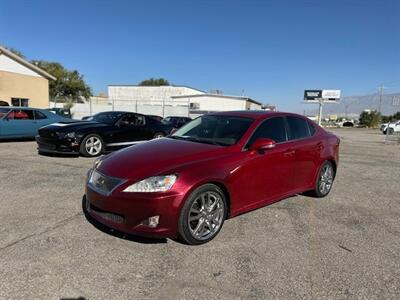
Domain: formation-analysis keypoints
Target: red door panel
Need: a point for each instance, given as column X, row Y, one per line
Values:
column 264, row 177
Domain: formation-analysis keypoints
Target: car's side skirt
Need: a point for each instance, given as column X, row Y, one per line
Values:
column 125, row 143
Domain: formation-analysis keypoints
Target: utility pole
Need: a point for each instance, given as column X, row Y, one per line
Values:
column 320, row 112
column 380, row 98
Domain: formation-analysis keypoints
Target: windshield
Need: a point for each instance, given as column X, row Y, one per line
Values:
column 107, row 117
column 218, row 130
column 3, row 112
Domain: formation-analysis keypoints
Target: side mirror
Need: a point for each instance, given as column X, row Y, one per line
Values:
column 262, row 144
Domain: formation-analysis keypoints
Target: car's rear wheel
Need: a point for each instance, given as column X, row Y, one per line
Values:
column 325, row 179
column 158, row 135
column 202, row 215
column 92, row 145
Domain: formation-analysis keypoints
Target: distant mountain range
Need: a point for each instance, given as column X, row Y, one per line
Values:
column 352, row 106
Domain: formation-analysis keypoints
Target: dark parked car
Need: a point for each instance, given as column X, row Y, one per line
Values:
column 348, row 124
column 177, row 122
column 158, row 118
column 64, row 112
column 216, row 167
column 104, row 132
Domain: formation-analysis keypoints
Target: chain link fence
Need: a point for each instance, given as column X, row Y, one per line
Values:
column 163, row 108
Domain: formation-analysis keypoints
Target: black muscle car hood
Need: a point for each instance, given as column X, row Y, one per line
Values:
column 76, row 126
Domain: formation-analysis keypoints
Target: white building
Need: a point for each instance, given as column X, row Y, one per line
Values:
column 148, row 93
column 175, row 98
column 206, row 103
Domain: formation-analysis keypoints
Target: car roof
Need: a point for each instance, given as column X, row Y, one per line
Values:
column 255, row 114
column 21, row 107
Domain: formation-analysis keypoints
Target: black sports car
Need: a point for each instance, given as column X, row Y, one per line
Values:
column 104, row 132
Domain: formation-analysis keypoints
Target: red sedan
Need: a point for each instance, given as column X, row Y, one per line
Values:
column 216, row 167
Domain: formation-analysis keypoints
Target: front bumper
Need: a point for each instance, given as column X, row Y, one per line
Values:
column 63, row 146
column 127, row 211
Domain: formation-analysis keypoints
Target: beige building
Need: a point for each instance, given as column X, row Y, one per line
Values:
column 22, row 83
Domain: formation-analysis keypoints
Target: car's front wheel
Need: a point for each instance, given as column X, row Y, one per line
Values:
column 158, row 135
column 202, row 215
column 92, row 145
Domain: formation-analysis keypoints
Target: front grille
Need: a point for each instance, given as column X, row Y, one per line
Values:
column 46, row 146
column 47, row 133
column 104, row 214
column 102, row 183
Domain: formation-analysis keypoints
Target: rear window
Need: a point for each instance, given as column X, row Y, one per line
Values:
column 311, row 127
column 298, row 128
column 39, row 115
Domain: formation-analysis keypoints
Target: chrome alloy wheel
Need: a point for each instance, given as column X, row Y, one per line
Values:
column 326, row 179
column 206, row 215
column 93, row 145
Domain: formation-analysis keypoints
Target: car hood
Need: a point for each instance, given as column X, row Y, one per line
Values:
column 156, row 157
column 74, row 126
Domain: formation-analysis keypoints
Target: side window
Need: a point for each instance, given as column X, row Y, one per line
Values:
column 133, row 120
column 298, row 128
column 139, row 120
column 273, row 128
column 39, row 115
column 21, row 114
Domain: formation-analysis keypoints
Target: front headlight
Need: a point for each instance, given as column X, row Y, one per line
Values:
column 69, row 135
column 153, row 184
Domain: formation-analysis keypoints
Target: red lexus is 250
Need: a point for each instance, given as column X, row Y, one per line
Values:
column 215, row 167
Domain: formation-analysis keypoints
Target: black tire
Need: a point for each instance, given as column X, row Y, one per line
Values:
column 384, row 131
column 84, row 151
column 159, row 135
column 391, row 130
column 184, row 227
column 318, row 191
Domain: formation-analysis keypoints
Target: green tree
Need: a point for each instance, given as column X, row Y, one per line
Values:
column 68, row 84
column 370, row 119
column 391, row 118
column 154, row 82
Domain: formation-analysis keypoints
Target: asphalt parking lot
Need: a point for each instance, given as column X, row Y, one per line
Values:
column 344, row 246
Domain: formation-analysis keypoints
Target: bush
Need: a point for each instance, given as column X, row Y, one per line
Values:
column 370, row 119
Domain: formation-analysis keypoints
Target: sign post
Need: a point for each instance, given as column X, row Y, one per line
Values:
column 321, row 97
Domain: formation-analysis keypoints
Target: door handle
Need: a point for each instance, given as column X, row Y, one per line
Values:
column 320, row 146
column 289, row 153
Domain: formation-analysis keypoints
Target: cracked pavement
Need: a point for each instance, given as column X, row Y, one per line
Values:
column 344, row 246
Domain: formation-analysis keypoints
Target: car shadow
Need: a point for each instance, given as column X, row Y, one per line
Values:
column 119, row 234
column 58, row 155
column 13, row 140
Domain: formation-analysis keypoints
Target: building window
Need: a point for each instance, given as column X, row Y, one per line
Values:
column 22, row 102
column 194, row 105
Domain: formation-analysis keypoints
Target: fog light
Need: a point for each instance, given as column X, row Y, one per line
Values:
column 151, row 222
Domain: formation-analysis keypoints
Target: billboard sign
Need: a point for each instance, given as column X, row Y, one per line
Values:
column 332, row 95
column 324, row 95
column 310, row 95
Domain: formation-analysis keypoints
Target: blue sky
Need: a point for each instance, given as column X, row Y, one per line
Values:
column 272, row 50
